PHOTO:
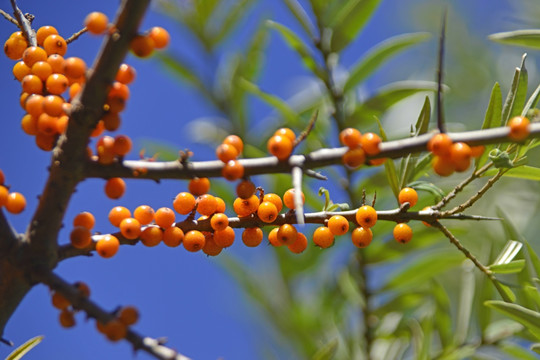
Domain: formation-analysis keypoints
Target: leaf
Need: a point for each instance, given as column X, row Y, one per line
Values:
column 300, row 14
column 230, row 20
column 443, row 320
column 515, row 100
column 22, row 350
column 527, row 38
column 521, row 172
column 159, row 149
column 295, row 43
column 389, row 167
column 535, row 348
column 516, row 351
column 428, row 187
column 505, row 292
column 179, row 67
column 531, row 103
column 509, row 268
column 491, row 119
column 327, row 351
column 466, row 298
column 508, row 253
column 379, row 54
column 529, row 318
column 422, row 124
column 501, row 329
column 533, row 258
column 462, row 352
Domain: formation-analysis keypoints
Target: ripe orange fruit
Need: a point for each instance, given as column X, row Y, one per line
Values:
column 361, row 237
column 151, row 236
column 323, row 237
column 226, row 152
column 130, row 228
column 274, row 199
column 142, row 46
column 115, row 188
column 288, row 198
column 54, row 44
column 33, row 54
column 14, row 47
column 173, row 236
column 519, row 128
column 96, row 23
column 4, row 193
column 199, row 186
column 233, row 170
column 160, row 36
column 210, row 247
column 128, row 315
column 350, row 137
column 126, row 74
column 224, row 238
column 74, row 67
column 59, row 301
column 245, row 189
column 443, row 165
column 107, row 246
column 66, row 318
column 460, row 155
column 80, row 237
column 164, row 217
column 16, row 203
column 267, row 212
column 206, row 204
column 246, row 207
column 280, row 146
column 20, row 70
column 366, row 216
column 354, row 158
column 144, row 214
column 273, row 239
column 287, row 234
column 370, row 143
column 338, row 225
column 43, row 32
column 219, row 221
column 299, row 245
column 235, row 141
column 252, row 237
column 194, row 241
column 408, row 195
column 287, row 133
column 440, row 144
column 184, row 203
column 117, row 214
column 115, row 330
column 402, row 233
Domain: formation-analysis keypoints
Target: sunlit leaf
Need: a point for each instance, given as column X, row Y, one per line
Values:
column 501, row 329
column 491, row 119
column 428, row 187
column 300, row 14
column 231, row 19
column 529, row 318
column 22, row 350
column 527, row 38
column 506, row 293
column 533, row 257
column 515, row 100
column 520, row 172
column 510, row 250
column 508, row 268
column 517, row 352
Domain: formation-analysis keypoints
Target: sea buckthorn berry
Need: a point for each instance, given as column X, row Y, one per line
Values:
column 519, row 128
column 80, row 237
column 210, row 247
column 226, row 152
column 43, row 32
column 160, row 36
column 199, row 186
column 59, row 301
column 98, row 130
column 96, row 23
column 83, row 288
column 219, row 221
column 184, row 203
column 33, row 54
column 246, row 207
column 287, row 234
column 42, row 69
column 4, row 192
column 66, row 318
column 440, row 145
column 29, row 124
column 115, row 188
column 267, row 212
column 194, row 240
column 273, row 239
column 111, row 121
column 443, row 165
column 130, row 228
column 117, row 214
column 107, row 246
column 402, row 233
column 34, row 105
column 245, row 189
column 299, row 245
column 361, row 237
column 2, row 177
column 57, row 63
column 53, row 105
column 173, row 236
column 477, row 151
column 22, row 99
column 370, row 143
column 252, row 237
column 126, row 74
column 144, row 214
column 408, row 195
column 288, row 198
column 122, row 145
column 235, row 141
column 104, row 149
column 232, row 170
column 460, row 155
column 45, row 142
column 274, row 199
column 47, row 124
column 224, row 238
column 31, row 84
column 55, row 44
column 354, row 158
column 14, row 47
column 164, row 217
column 61, row 124
column 206, row 204
column 118, row 90
column 350, row 137
column 85, row 219
column 16, row 203
column 20, row 70
column 151, row 236
column 128, row 315
column 220, row 208
column 74, row 67
column 323, row 237
column 288, row 133
column 338, row 225
column 115, row 330
column 56, row 84
column 280, row 146
column 366, row 216
column 142, row 46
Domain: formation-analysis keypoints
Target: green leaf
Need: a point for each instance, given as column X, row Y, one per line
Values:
column 428, row 187
column 529, row 318
column 527, row 38
column 378, row 55
column 508, row 253
column 532, row 293
column 443, row 320
column 390, row 168
column 535, row 348
column 230, row 20
column 521, row 172
column 179, row 67
column 510, row 230
column 295, row 43
column 22, row 350
column 462, row 352
column 509, row 268
column 327, row 351
column 422, row 124
column 515, row 100
column 466, row 298
column 159, row 149
column 516, row 351
column 501, row 329
column 533, row 258
column 506, row 293
column 531, row 103
column 491, row 119
column 300, row 14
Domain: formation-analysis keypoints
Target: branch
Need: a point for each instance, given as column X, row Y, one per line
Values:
column 24, row 24
column 76, row 35
column 8, row 236
column 8, row 17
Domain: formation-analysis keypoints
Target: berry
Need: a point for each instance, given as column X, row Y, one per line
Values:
column 299, row 245
column 83, row 288
column 47, row 124
column 53, row 105
column 235, row 141
column 274, row 199
column 130, row 228
column 273, row 239
column 117, row 214
column 74, row 67
column 15, row 203
column 151, row 236
column 477, row 151
column 519, row 128
column 34, row 105
column 165, row 217
column 361, row 237
column 219, row 221
column 111, row 121
column 4, row 193
column 56, row 84
column 33, row 54
column 43, row 32
column 29, row 124
column 66, row 318
column 288, row 198
column 55, row 44
column 246, row 207
column 32, row 84
column 402, row 233
column 144, row 214
column 115, row 188
column 245, row 189
column 59, row 301
column 20, row 70
column 184, row 203
column 210, row 247
column 115, row 330
column 45, row 142
column 199, row 186
column 42, row 70
column 323, row 237
column 142, row 46
column 460, row 155
column 206, row 204
column 226, row 152
column 122, row 145
column 338, row 225
column 366, row 216
column 173, row 236
column 96, row 23
column 280, row 146
column 14, row 47
column 408, row 195
column 107, row 246
column 194, row 241
column 354, row 158
column 224, row 238
column 287, row 234
column 160, row 36
column 288, row 133
column 252, row 237
column 126, row 74
column 370, row 143
column 80, row 237
column 267, row 212
column 350, row 137
column 128, row 315
column 440, row 144
column 443, row 165
column 232, row 170
column 220, row 205
column 57, row 63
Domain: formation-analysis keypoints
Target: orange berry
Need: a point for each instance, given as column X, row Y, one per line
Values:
column 42, row 70
column 267, row 212
column 402, row 233
column 53, row 105
column 408, row 195
column 4, row 193
column 443, row 165
column 232, row 170
column 22, row 99
column 2, row 177
column 199, row 186
column 477, row 151
column 194, row 241
column 184, row 203
column 160, row 36
column 98, row 130
column 354, row 158
column 83, row 288
column 423, row 222
column 288, row 198
column 55, row 44
column 80, row 237
column 142, row 46
column 235, row 141
column 59, row 301
column 361, row 237
column 117, row 214
column 128, row 315
column 107, row 246
column 57, row 63
column 85, row 219
column 151, row 236
column 34, row 105
column 20, row 70
column 15, row 203
column 45, row 142
column 252, row 237
column 273, row 239
column 338, row 225
column 14, row 47
column 43, row 32
column 29, row 124
column 47, row 124
column 165, row 217
column 210, row 247
column 288, row 133
column 245, row 189
column 130, row 228
column 299, row 245
column 460, row 155
column 66, row 318
column 220, row 208
column 74, row 67
column 440, row 144
column 33, row 54
column 115, row 330
column 350, row 137
column 246, row 207
column 104, row 150
column 111, row 121
column 323, row 237
column 173, row 236
column 118, row 90
column 126, row 74
column 96, row 23
column 206, row 204
column 122, row 145
column 115, row 188
column 519, row 128
column 366, row 216
column 144, row 214
column 280, row 146
column 32, row 84
column 370, row 143
column 61, row 124
column 274, row 199
column 226, row 152
column 219, row 221
column 56, row 84
column 287, row 234
column 224, row 238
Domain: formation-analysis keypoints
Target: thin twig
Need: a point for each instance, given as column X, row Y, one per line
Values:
column 24, row 24
column 76, row 35
column 308, row 129
column 9, row 17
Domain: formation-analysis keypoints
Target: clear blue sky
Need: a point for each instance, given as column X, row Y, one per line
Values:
column 186, row 297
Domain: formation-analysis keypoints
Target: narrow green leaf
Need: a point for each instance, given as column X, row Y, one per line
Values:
column 531, row 103
column 529, row 318
column 179, row 67
column 379, row 54
column 491, row 119
column 515, row 98
column 535, row 348
column 443, row 320
column 521, row 172
column 532, row 293
column 303, row 19
column 516, row 351
column 422, row 124
column 22, row 350
column 508, row 253
column 506, row 293
column 466, row 298
column 230, row 20
column 533, row 257
column 500, row 329
column 327, row 351
column 390, row 168
column 458, row 353
column 527, row 38
column 428, row 187
column 254, row 55
column 295, row 43
column 510, row 230
column 509, row 268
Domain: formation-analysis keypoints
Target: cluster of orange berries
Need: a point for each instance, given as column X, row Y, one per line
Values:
column 282, row 143
column 359, row 146
column 449, row 156
column 67, row 313
column 228, row 151
column 13, row 202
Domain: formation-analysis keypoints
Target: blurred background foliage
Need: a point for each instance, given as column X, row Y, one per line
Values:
column 388, row 301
